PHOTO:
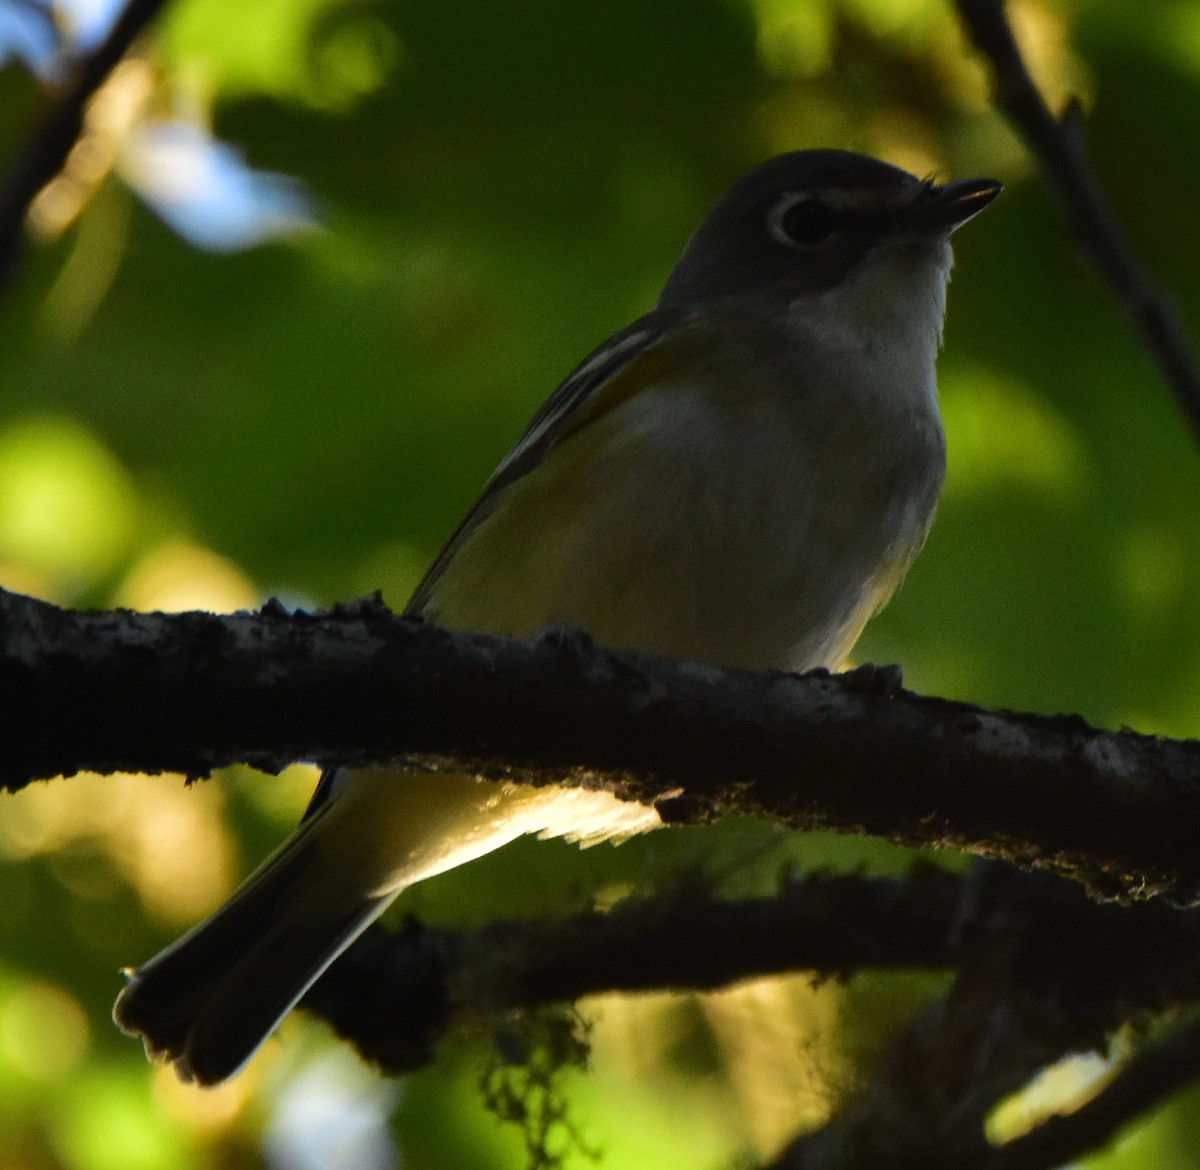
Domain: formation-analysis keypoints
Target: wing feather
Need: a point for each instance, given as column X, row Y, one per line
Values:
column 599, row 383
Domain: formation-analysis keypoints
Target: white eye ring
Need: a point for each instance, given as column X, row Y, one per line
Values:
column 778, row 214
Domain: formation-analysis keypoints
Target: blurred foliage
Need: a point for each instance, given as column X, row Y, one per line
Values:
column 498, row 187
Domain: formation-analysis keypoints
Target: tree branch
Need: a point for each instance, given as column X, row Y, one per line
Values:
column 47, row 148
column 1129, row 959
column 1058, row 144
column 1041, row 973
column 685, row 940
column 109, row 691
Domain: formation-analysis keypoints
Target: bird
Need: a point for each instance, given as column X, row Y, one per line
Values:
column 740, row 477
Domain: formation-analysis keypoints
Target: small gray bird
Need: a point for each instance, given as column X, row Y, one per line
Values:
column 741, row 477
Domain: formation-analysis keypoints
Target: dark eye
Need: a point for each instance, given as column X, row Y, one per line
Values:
column 806, row 222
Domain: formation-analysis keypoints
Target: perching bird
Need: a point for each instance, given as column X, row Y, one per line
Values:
column 740, row 477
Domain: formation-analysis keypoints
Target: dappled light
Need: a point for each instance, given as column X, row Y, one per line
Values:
column 310, row 267
column 207, row 1114
column 1062, row 1088
column 68, row 510
column 1003, row 436
column 777, row 1040
column 205, row 191
column 168, row 843
column 179, row 575
column 333, row 1113
column 323, row 53
column 44, row 1031
column 121, row 102
column 106, row 1120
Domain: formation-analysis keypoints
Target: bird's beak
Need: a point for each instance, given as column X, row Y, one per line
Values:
column 948, row 206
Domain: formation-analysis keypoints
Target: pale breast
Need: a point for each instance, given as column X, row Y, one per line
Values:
column 754, row 530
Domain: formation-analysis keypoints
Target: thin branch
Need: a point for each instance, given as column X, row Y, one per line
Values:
column 119, row 691
column 1042, row 971
column 395, row 995
column 1086, row 966
column 46, row 151
column 1058, row 144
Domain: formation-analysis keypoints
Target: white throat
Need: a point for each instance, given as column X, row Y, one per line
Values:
column 885, row 318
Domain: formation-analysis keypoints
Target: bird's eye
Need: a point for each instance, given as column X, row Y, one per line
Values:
column 803, row 222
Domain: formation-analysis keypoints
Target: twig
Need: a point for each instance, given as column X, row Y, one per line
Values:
column 47, row 148
column 1059, row 146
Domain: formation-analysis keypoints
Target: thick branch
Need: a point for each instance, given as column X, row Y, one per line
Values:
column 111, row 691
column 46, row 151
column 1059, row 146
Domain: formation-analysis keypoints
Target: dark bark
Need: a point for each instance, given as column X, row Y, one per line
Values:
column 190, row 692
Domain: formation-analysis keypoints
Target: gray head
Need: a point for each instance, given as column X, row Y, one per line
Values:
column 804, row 222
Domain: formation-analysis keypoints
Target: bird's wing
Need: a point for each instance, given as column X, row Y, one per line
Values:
column 607, row 377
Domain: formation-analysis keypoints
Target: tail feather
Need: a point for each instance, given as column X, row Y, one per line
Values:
column 208, row 1002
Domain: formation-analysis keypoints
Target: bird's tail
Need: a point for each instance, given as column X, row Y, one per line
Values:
column 208, row 1001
